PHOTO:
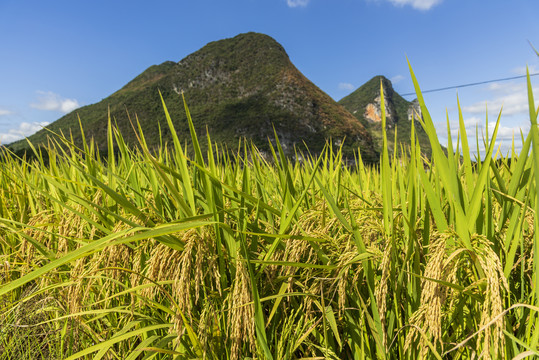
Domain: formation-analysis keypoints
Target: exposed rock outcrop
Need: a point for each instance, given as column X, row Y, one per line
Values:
column 414, row 111
column 373, row 111
column 365, row 104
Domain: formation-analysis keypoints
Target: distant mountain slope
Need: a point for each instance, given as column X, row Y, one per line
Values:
column 364, row 104
column 236, row 88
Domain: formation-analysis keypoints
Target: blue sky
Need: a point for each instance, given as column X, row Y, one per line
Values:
column 61, row 54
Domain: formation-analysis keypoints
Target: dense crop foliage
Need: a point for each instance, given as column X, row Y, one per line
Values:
column 160, row 255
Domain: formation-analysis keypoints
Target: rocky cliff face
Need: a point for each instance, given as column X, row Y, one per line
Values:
column 373, row 111
column 243, row 87
column 414, row 111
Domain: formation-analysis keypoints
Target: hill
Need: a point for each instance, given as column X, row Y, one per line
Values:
column 236, row 88
column 364, row 104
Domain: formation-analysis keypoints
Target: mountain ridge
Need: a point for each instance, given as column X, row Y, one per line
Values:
column 364, row 104
column 243, row 87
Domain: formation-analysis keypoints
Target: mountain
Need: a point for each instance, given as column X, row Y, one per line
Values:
column 242, row 87
column 364, row 104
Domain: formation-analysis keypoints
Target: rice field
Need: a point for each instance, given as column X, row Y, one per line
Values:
column 160, row 254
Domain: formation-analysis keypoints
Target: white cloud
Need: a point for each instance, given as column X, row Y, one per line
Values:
column 5, row 112
column 395, row 79
column 521, row 70
column 296, row 3
column 512, row 104
column 346, row 86
column 507, row 132
column 512, row 96
column 471, row 124
column 25, row 129
column 504, row 137
column 49, row 101
column 417, row 4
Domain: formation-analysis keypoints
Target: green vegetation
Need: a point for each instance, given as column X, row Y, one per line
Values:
column 237, row 88
column 357, row 102
column 160, row 255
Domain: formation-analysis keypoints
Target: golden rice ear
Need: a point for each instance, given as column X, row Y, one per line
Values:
column 492, row 307
column 184, row 274
column 382, row 287
column 162, row 265
column 241, row 326
column 442, row 270
column 433, row 294
column 194, row 268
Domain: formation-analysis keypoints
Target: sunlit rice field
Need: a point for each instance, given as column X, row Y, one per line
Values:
column 164, row 254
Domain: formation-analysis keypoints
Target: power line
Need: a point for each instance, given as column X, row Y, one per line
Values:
column 470, row 84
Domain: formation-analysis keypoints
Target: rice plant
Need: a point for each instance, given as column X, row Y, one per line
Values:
column 164, row 254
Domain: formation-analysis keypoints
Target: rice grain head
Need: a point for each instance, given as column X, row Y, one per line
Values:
column 433, row 295
column 241, row 323
column 382, row 287
column 492, row 306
